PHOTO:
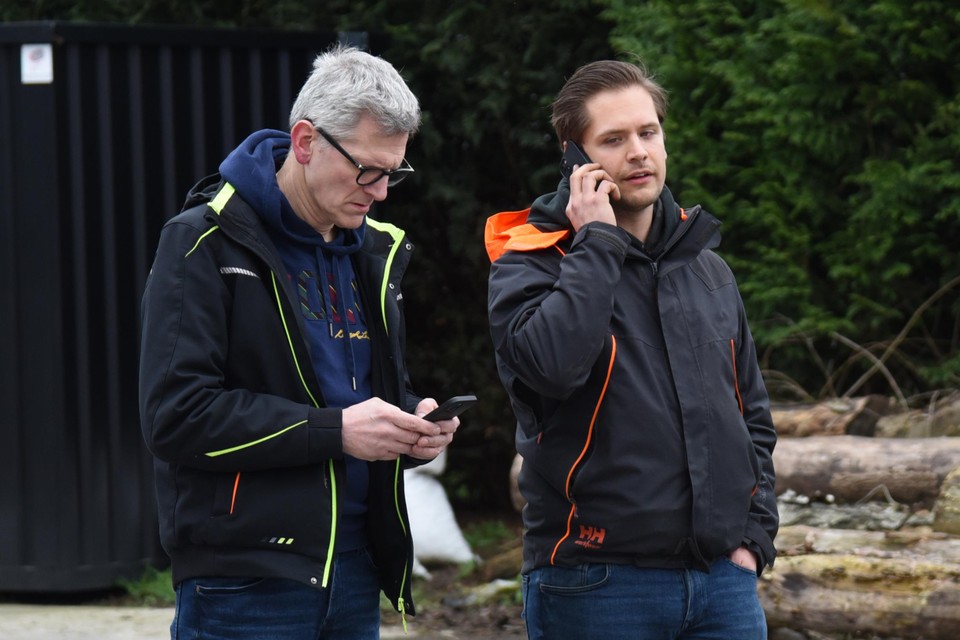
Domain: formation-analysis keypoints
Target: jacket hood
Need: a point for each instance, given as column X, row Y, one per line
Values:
column 549, row 211
column 545, row 222
column 252, row 169
column 542, row 225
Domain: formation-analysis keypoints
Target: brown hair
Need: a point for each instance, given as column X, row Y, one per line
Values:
column 569, row 117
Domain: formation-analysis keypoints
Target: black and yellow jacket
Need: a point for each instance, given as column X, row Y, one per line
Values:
column 643, row 420
column 249, row 461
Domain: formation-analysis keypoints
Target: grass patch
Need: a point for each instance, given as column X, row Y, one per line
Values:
column 153, row 589
column 486, row 535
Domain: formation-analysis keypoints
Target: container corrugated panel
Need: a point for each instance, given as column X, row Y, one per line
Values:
column 97, row 149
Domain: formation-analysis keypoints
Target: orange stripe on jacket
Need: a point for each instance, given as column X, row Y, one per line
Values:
column 736, row 376
column 586, row 446
column 233, row 498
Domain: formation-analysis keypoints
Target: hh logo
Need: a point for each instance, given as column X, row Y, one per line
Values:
column 591, row 537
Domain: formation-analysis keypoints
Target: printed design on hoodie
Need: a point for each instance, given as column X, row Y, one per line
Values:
column 313, row 306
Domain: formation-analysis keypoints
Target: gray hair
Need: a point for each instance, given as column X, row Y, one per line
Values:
column 347, row 83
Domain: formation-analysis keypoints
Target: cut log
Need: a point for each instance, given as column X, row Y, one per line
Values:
column 504, row 565
column 903, row 584
column 850, row 467
column 910, row 543
column 946, row 513
column 839, row 416
column 870, row 416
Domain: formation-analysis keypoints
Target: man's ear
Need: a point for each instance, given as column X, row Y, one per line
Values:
column 302, row 136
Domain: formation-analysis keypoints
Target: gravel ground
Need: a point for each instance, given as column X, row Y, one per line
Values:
column 87, row 622
column 96, row 622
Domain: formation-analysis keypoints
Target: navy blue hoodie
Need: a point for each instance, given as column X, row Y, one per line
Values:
column 322, row 273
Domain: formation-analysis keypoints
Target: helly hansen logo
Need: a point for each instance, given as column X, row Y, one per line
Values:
column 591, row 537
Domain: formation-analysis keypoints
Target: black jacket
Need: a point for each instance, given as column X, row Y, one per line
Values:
column 249, row 461
column 643, row 420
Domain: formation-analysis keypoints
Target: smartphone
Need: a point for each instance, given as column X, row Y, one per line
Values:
column 572, row 155
column 452, row 407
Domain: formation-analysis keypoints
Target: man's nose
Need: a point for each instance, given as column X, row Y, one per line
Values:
column 378, row 189
column 637, row 150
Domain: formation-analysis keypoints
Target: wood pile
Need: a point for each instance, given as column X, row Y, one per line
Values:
column 902, row 583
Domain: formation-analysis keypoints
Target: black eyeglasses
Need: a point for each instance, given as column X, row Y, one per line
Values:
column 369, row 175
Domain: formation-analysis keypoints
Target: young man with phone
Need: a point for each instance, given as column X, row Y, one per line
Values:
column 274, row 393
column 643, row 420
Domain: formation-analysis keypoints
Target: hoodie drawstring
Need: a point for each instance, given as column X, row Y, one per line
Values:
column 338, row 301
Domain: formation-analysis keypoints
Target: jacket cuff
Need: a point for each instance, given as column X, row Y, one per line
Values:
column 758, row 541
column 609, row 233
column 324, row 434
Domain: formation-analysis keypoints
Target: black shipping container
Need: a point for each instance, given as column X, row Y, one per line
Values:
column 103, row 129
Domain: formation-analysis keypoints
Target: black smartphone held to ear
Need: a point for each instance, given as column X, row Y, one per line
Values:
column 452, row 407
column 572, row 155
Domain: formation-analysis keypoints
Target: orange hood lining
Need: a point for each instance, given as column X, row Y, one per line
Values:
column 510, row 231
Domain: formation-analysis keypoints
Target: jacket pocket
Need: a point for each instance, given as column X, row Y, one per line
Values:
column 288, row 508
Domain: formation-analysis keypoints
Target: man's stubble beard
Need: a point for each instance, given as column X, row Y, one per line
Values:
column 627, row 210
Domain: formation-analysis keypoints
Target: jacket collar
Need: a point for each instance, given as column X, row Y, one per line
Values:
column 544, row 224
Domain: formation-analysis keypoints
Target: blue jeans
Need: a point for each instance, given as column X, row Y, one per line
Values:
column 278, row 609
column 621, row 602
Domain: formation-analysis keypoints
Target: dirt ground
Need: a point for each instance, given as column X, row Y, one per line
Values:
column 445, row 610
column 452, row 604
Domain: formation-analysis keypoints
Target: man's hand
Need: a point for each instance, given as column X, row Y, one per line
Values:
column 377, row 430
column 745, row 558
column 429, row 447
column 588, row 201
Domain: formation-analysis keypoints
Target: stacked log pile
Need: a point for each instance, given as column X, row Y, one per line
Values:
column 899, row 579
